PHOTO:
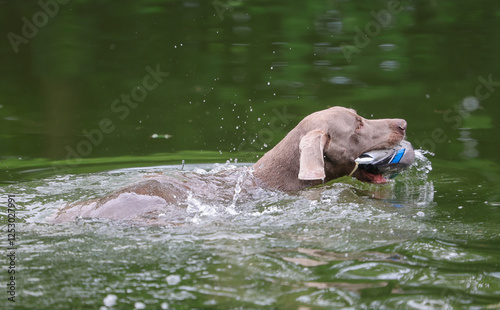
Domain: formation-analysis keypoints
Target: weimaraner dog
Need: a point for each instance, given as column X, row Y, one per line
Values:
column 322, row 147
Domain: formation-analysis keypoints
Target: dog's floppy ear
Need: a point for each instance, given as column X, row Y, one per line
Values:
column 312, row 164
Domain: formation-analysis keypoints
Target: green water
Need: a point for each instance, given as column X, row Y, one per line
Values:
column 95, row 95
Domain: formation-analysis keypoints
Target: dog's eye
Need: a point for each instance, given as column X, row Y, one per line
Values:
column 360, row 124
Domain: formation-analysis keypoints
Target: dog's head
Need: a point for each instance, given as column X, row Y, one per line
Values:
column 331, row 140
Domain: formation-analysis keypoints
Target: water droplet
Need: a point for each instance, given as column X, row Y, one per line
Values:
column 470, row 104
column 110, row 300
column 173, row 279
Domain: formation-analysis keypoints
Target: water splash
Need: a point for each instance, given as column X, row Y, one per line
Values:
column 244, row 173
column 422, row 163
column 412, row 187
column 203, row 212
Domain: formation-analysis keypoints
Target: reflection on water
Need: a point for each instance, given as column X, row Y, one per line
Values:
column 345, row 244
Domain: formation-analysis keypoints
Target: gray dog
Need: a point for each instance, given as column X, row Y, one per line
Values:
column 322, row 147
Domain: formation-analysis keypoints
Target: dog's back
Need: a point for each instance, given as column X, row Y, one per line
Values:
column 162, row 198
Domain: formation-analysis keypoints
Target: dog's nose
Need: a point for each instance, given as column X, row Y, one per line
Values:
column 400, row 124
